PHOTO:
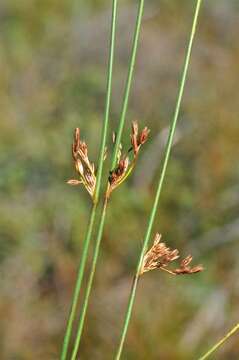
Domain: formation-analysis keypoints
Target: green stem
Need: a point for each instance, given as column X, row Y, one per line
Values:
column 160, row 183
column 80, row 274
column 89, row 282
column 217, row 345
column 87, row 239
column 108, row 98
column 128, row 81
column 114, row 159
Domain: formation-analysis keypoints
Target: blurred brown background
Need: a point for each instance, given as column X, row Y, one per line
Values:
column 53, row 57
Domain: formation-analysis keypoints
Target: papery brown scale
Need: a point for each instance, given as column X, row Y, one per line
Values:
column 74, row 152
column 90, row 179
column 144, row 136
column 74, row 182
column 84, row 148
column 172, row 255
column 134, row 136
column 185, row 262
column 123, row 165
column 135, row 128
column 112, row 178
column 134, row 144
column 79, row 167
column 77, row 138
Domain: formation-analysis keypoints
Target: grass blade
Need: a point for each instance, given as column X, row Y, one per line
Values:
column 220, row 343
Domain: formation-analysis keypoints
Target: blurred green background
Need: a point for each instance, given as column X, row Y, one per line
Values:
column 53, row 57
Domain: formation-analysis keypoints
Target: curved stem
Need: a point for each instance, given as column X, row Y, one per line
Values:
column 160, row 183
column 114, row 159
column 87, row 239
column 221, row 342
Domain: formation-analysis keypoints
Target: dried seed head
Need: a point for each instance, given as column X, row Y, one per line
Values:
column 138, row 139
column 186, row 269
column 83, row 166
column 117, row 176
column 144, row 136
column 124, row 166
column 160, row 256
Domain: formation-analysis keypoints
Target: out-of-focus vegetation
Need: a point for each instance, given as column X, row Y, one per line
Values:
column 53, row 57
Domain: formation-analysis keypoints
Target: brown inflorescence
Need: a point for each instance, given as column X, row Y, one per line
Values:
column 138, row 139
column 84, row 168
column 160, row 256
column 124, row 166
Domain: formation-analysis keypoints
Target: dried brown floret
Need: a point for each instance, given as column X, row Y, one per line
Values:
column 117, row 176
column 138, row 139
column 186, row 269
column 83, row 166
column 160, row 256
column 124, row 166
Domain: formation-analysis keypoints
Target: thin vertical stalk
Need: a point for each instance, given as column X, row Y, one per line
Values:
column 114, row 159
column 220, row 343
column 89, row 282
column 108, row 99
column 87, row 239
column 128, row 81
column 160, row 183
column 77, row 289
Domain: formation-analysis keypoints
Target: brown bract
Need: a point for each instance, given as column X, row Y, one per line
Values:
column 84, row 168
column 160, row 257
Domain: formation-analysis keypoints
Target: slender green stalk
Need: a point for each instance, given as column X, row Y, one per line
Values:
column 221, row 342
column 78, row 284
column 89, row 282
column 97, row 190
column 160, row 183
column 128, row 81
column 108, row 99
column 114, row 159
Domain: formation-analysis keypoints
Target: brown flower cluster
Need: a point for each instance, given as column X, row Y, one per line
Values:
column 160, row 257
column 138, row 139
column 124, row 166
column 83, row 166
